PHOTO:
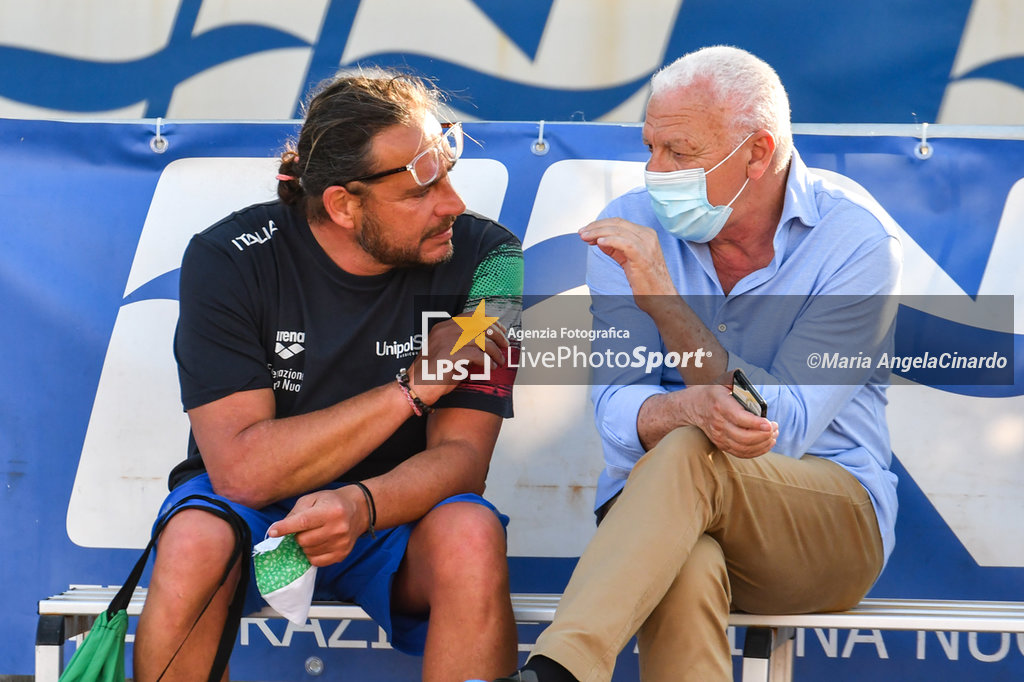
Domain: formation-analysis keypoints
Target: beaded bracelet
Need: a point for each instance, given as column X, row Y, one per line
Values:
column 370, row 504
column 412, row 403
column 419, row 407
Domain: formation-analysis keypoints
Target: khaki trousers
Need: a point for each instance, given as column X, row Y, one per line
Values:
column 696, row 532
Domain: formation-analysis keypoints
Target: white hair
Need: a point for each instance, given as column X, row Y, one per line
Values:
column 748, row 88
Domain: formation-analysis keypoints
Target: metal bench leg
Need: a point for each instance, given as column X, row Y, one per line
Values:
column 768, row 655
column 781, row 668
column 49, row 648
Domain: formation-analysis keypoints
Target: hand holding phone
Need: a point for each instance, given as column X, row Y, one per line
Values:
column 747, row 395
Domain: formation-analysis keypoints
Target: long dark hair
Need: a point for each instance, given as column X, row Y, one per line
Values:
column 342, row 116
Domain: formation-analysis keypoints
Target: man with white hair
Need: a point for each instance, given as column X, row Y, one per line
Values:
column 734, row 248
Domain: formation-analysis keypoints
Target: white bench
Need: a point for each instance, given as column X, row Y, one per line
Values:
column 767, row 650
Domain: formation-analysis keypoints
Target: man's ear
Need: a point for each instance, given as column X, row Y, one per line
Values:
column 761, row 154
column 341, row 205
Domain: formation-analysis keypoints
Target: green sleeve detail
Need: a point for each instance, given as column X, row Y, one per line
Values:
column 499, row 274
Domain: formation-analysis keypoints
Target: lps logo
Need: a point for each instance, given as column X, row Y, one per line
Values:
column 475, row 328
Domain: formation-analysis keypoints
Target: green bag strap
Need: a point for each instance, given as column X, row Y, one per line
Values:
column 240, row 553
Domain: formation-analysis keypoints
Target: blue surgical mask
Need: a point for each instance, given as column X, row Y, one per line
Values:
column 680, row 200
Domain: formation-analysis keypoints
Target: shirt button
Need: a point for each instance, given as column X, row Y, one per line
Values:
column 722, row 327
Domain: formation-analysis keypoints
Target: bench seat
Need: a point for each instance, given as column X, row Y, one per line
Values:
column 767, row 651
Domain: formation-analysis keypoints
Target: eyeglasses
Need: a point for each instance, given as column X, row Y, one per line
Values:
column 426, row 166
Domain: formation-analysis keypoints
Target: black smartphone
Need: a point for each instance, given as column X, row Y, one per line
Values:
column 747, row 395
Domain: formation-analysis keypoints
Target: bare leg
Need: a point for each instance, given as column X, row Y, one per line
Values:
column 455, row 569
column 195, row 547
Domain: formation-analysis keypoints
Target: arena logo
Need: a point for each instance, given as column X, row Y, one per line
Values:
column 294, row 341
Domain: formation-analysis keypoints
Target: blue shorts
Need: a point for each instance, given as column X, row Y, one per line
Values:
column 364, row 577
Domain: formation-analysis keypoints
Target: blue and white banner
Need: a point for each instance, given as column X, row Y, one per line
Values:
column 95, row 222
column 872, row 61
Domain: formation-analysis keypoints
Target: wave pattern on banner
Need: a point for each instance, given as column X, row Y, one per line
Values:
column 56, row 82
column 553, row 60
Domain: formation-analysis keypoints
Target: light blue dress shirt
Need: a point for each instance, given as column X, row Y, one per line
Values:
column 837, row 261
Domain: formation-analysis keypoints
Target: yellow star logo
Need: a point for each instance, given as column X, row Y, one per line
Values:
column 473, row 328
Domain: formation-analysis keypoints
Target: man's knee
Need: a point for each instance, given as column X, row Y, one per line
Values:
column 685, row 450
column 687, row 439
column 192, row 556
column 194, row 541
column 466, row 542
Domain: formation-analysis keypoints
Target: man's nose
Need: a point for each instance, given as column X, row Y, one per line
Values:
column 449, row 202
column 660, row 162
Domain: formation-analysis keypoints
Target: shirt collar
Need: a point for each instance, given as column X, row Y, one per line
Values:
column 799, row 203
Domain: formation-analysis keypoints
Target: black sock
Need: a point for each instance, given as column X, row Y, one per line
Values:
column 548, row 670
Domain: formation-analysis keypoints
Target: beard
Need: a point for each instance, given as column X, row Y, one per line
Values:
column 373, row 239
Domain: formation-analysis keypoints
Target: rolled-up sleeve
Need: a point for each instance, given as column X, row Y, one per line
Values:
column 619, row 391
column 616, row 409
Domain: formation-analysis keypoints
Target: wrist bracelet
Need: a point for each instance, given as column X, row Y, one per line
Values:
column 408, row 396
column 370, row 506
column 419, row 407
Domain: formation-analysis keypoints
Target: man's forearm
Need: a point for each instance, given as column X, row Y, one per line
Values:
column 273, row 458
column 714, row 411
column 411, row 489
column 682, row 331
column 658, row 416
column 459, row 446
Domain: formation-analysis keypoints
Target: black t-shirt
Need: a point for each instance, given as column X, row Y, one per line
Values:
column 263, row 306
